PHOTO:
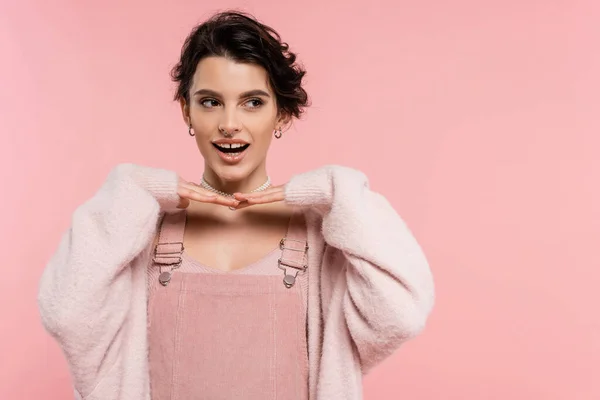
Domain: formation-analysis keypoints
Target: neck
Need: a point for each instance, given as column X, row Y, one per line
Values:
column 231, row 185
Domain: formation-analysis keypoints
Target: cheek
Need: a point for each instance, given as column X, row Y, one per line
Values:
column 205, row 127
column 261, row 129
column 263, row 137
column 205, row 132
column 204, row 146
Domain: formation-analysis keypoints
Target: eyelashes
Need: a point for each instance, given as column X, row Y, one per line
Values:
column 258, row 101
column 208, row 103
column 212, row 103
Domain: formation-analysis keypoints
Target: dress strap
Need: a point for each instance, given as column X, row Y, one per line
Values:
column 169, row 249
column 294, row 249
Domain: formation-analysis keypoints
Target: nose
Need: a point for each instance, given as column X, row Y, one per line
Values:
column 228, row 132
column 230, row 125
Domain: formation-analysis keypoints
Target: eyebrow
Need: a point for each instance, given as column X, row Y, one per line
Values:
column 250, row 93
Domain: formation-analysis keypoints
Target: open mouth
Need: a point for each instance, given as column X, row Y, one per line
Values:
column 231, row 149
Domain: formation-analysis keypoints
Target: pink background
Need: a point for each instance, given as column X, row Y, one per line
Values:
column 478, row 120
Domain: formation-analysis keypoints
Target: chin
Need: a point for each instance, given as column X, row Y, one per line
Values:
column 231, row 173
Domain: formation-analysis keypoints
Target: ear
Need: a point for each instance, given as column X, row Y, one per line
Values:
column 185, row 111
column 283, row 119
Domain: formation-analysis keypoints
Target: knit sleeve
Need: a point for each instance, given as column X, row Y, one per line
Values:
column 389, row 289
column 85, row 290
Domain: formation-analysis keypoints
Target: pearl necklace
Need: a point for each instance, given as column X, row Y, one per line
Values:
column 207, row 186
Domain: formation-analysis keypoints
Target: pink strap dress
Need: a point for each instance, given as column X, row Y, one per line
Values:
column 218, row 335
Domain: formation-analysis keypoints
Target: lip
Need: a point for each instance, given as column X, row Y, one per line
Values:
column 229, row 159
column 230, row 141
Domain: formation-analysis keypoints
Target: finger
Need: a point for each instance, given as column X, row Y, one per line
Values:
column 192, row 187
column 207, row 197
column 225, row 201
column 183, row 202
column 266, row 198
column 189, row 185
column 192, row 194
column 260, row 198
column 243, row 196
column 268, row 190
column 243, row 204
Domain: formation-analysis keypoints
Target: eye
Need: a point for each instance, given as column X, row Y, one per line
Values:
column 254, row 103
column 209, row 103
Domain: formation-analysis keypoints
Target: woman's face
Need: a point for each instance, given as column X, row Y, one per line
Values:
column 237, row 98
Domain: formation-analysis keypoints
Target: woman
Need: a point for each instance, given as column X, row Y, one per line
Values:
column 233, row 288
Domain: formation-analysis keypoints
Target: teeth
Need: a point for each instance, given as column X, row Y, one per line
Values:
column 230, row 146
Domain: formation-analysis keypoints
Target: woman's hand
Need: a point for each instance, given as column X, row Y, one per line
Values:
column 190, row 191
column 271, row 195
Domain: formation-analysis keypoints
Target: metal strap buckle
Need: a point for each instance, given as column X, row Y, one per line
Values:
column 283, row 240
column 283, row 263
column 172, row 257
column 290, row 279
column 167, row 257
